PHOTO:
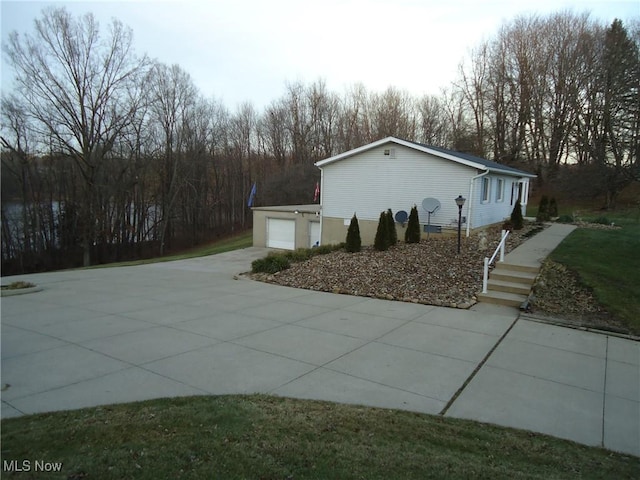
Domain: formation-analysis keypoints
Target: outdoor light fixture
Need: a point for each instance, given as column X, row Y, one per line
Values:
column 460, row 202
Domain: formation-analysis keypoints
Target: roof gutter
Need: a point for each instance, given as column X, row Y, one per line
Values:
column 470, row 209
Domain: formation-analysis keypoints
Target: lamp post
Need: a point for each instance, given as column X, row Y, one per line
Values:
column 460, row 202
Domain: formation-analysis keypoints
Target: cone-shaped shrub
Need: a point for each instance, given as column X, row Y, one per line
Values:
column 353, row 242
column 553, row 207
column 543, row 209
column 393, row 233
column 412, row 233
column 382, row 233
column 517, row 222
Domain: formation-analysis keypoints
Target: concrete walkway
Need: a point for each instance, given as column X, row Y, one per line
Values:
column 190, row 327
column 533, row 252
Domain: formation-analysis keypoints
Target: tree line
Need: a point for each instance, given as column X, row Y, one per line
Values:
column 109, row 155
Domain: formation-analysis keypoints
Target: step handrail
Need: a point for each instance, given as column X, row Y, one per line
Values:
column 487, row 261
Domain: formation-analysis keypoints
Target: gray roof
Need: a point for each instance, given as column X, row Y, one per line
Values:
column 472, row 158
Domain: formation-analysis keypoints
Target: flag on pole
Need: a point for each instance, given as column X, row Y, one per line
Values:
column 252, row 196
column 316, row 194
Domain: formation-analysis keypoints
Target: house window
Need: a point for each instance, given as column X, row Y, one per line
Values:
column 486, row 186
column 500, row 190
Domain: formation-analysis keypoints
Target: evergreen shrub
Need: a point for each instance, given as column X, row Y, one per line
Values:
column 381, row 241
column 517, row 222
column 353, row 242
column 543, row 209
column 412, row 233
column 393, row 233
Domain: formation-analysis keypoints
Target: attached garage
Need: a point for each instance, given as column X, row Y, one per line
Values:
column 286, row 227
column 281, row 233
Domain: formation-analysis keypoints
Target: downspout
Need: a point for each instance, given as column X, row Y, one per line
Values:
column 321, row 202
column 470, row 209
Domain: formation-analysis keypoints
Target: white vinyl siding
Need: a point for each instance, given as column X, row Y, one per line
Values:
column 487, row 213
column 370, row 182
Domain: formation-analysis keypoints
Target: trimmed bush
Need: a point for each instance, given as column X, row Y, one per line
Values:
column 323, row 249
column 299, row 255
column 565, row 219
column 393, row 233
column 272, row 263
column 602, row 221
column 353, row 242
column 412, row 233
column 543, row 209
column 516, row 220
column 381, row 242
column 553, row 207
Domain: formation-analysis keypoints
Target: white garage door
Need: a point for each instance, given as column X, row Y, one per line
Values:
column 314, row 233
column 281, row 233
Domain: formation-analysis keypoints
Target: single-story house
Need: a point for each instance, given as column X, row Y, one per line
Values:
column 398, row 174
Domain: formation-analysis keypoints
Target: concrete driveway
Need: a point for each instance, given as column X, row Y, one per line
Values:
column 193, row 327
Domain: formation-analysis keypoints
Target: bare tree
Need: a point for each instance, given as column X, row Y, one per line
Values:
column 173, row 98
column 76, row 87
column 433, row 127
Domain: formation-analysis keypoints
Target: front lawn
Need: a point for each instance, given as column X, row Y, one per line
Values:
column 235, row 242
column 608, row 261
column 262, row 437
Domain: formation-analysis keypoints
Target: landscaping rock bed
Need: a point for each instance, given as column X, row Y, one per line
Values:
column 559, row 296
column 430, row 272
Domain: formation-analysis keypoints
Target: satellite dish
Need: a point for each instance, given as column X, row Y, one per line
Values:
column 401, row 216
column 431, row 205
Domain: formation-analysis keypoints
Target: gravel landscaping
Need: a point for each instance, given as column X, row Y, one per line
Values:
column 559, row 296
column 431, row 272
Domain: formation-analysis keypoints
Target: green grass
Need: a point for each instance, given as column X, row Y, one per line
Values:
column 243, row 240
column 608, row 261
column 274, row 438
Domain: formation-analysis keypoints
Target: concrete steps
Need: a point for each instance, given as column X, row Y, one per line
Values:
column 509, row 284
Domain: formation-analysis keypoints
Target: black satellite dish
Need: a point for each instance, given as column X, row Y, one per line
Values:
column 401, row 216
column 431, row 205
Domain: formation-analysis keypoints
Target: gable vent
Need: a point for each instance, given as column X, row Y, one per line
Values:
column 390, row 152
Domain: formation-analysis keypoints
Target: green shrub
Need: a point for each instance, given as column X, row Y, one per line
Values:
column 565, row 219
column 393, row 233
column 299, row 255
column 516, row 220
column 381, row 241
column 272, row 263
column 553, row 207
column 543, row 209
column 602, row 221
column 353, row 242
column 324, row 249
column 412, row 233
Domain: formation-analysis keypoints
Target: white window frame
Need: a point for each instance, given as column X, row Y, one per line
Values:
column 500, row 190
column 486, row 190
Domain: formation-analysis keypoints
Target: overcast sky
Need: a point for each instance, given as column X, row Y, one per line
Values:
column 246, row 50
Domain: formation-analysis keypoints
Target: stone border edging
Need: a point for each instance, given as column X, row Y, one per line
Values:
column 19, row 291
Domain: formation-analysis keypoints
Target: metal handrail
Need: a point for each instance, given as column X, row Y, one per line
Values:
column 487, row 261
